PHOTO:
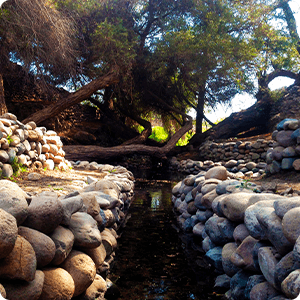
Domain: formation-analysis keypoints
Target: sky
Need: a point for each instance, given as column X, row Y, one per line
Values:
column 243, row 101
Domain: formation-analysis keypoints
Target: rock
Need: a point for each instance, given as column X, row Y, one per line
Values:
column 263, row 291
column 106, row 186
column 296, row 164
column 13, row 200
column 289, row 152
column 96, row 290
column 16, row 290
column 252, row 281
column 287, row 163
column 231, row 163
column 240, row 233
column 207, row 244
column 286, row 265
column 98, row 255
column 222, row 282
column 238, row 285
column 284, row 138
column 34, row 176
column 109, row 241
column 70, row 206
column 219, row 172
column 242, row 257
column 45, row 212
column 208, row 187
column 63, row 239
column 273, row 228
column 221, row 187
column 291, row 284
column 208, row 198
column 220, row 230
column 267, row 257
column 42, row 245
column 85, row 230
column 283, row 206
column 2, row 291
column 291, row 224
column 82, row 269
column 58, row 284
column 20, row 263
column 8, row 233
column 7, row 171
column 254, row 227
column 198, row 229
column 229, row 268
column 234, row 205
column 214, row 256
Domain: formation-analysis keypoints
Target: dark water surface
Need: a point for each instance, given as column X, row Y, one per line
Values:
column 151, row 261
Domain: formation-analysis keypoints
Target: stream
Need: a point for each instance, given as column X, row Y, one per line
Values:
column 153, row 260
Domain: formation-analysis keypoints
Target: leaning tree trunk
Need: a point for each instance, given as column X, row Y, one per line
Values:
column 74, row 98
column 94, row 152
column 3, row 108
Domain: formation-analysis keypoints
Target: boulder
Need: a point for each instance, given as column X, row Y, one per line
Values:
column 18, row 289
column 218, row 172
column 20, row 263
column 8, row 233
column 291, row 224
column 42, row 245
column 63, row 239
column 85, row 230
column 13, row 200
column 45, row 212
column 58, row 284
column 82, row 269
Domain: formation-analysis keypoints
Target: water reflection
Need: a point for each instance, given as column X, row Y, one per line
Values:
column 150, row 263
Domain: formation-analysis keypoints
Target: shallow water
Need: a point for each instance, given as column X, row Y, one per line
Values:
column 152, row 262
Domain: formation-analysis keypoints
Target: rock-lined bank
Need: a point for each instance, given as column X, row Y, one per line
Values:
column 28, row 145
column 236, row 168
column 55, row 247
column 285, row 153
column 254, row 151
column 249, row 235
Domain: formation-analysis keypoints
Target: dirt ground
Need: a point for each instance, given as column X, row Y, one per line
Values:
column 64, row 182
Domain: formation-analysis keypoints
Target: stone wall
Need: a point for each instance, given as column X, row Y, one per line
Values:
column 255, row 151
column 285, row 153
column 61, row 247
column 28, row 145
column 249, row 235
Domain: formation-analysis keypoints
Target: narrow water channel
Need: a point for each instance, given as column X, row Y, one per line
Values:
column 151, row 260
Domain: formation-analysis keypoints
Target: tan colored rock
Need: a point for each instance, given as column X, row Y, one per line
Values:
column 218, row 172
column 20, row 263
column 89, row 200
column 96, row 290
column 16, row 290
column 8, row 233
column 82, row 269
column 109, row 241
column 2, row 291
column 42, row 244
column 63, row 239
column 106, row 186
column 98, row 255
column 291, row 224
column 58, row 285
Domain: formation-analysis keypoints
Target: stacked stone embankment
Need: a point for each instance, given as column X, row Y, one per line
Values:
column 285, row 153
column 55, row 247
column 236, row 168
column 249, row 235
column 249, row 151
column 28, row 145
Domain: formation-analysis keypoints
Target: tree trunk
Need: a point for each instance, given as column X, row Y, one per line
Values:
column 82, row 94
column 94, row 152
column 3, row 108
column 200, row 110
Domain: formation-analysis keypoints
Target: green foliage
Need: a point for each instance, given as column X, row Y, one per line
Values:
column 17, row 167
column 185, row 140
column 159, row 134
